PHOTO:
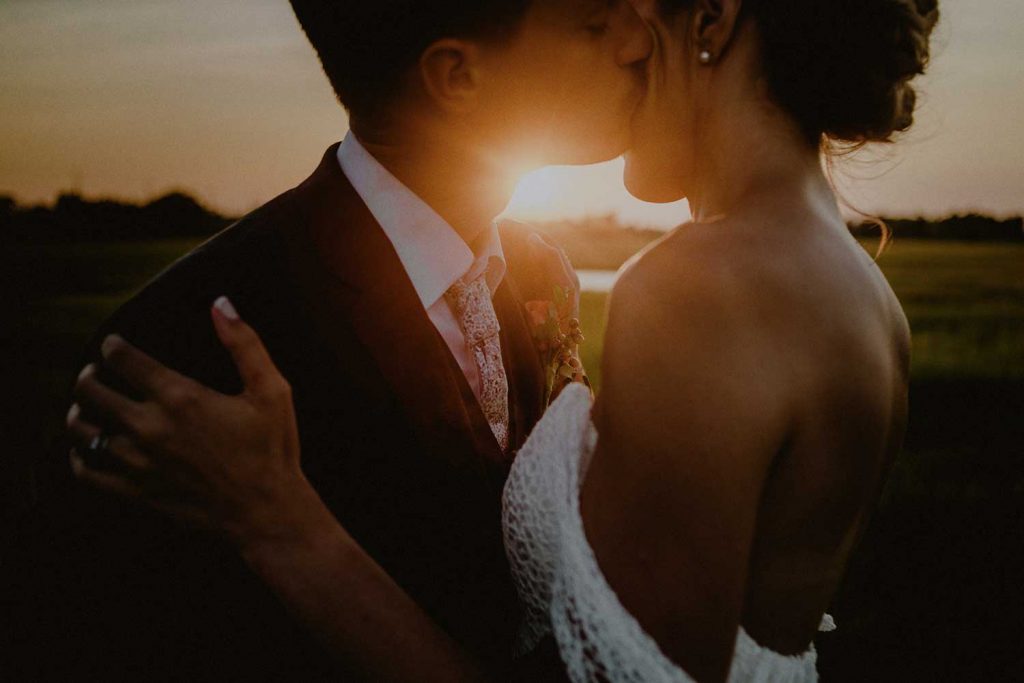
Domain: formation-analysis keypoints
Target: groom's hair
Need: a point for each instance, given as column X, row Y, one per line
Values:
column 367, row 47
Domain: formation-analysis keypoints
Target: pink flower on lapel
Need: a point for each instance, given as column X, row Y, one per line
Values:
column 557, row 338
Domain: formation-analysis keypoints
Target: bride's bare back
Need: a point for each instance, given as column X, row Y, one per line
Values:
column 845, row 337
column 754, row 397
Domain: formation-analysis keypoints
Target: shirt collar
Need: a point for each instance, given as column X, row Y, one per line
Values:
column 432, row 253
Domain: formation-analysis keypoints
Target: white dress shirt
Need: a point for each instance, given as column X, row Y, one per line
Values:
column 433, row 254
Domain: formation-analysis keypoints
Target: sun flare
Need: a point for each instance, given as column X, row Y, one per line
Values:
column 561, row 192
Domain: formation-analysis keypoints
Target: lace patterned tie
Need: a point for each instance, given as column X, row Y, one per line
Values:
column 472, row 306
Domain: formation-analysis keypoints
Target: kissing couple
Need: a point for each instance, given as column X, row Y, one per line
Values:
column 350, row 436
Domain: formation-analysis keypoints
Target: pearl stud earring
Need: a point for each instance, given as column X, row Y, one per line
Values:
column 704, row 57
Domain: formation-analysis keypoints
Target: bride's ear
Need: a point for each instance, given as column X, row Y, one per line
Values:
column 712, row 28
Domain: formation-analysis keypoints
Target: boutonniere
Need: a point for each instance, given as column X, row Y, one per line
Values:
column 557, row 336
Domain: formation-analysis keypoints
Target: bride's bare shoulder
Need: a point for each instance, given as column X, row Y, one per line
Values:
column 755, row 296
column 684, row 306
column 692, row 269
column 735, row 294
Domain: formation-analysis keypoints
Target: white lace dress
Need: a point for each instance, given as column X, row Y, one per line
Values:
column 560, row 585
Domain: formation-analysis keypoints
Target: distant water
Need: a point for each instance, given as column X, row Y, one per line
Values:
column 597, row 280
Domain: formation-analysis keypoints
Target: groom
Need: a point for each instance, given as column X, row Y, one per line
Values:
column 366, row 283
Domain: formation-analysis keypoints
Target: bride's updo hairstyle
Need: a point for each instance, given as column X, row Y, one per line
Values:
column 842, row 68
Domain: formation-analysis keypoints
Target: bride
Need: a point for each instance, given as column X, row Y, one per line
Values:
column 695, row 522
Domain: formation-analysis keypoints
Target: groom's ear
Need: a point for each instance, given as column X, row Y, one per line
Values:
column 713, row 25
column 450, row 71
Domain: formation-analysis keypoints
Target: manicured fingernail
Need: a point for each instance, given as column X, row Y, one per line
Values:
column 109, row 343
column 73, row 413
column 87, row 370
column 227, row 309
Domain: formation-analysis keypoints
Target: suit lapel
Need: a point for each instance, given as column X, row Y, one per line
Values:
column 357, row 282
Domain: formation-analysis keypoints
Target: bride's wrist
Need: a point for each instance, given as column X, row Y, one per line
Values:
column 295, row 518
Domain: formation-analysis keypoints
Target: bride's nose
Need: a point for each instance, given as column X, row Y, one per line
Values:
column 638, row 44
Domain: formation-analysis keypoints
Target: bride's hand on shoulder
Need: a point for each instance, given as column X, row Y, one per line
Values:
column 230, row 464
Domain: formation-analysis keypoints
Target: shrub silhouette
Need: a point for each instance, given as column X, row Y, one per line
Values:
column 75, row 219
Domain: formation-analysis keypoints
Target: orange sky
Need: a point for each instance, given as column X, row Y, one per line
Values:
column 225, row 99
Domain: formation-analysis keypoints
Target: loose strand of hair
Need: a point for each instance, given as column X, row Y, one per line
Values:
column 832, row 150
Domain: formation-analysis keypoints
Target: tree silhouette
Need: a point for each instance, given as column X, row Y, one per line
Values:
column 75, row 219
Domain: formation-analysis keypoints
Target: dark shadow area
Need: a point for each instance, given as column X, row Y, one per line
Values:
column 934, row 590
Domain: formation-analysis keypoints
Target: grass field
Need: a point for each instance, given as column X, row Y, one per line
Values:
column 933, row 591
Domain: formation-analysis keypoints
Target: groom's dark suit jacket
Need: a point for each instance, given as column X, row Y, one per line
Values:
column 392, row 438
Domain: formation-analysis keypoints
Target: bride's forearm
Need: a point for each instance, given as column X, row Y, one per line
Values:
column 360, row 615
